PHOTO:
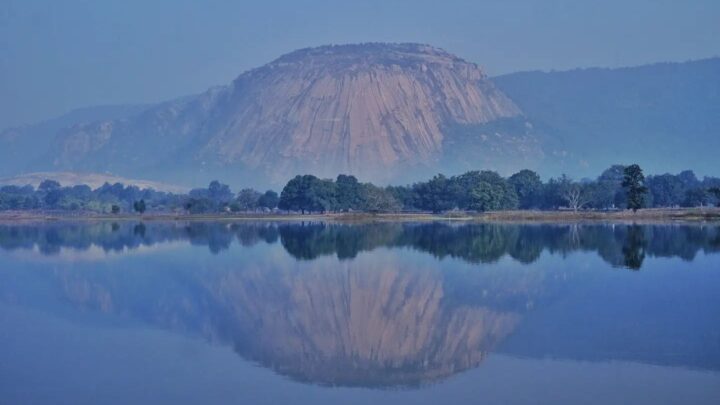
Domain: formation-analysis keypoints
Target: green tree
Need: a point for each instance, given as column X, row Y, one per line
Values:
column 485, row 196
column 716, row 192
column 48, row 185
column 609, row 191
column 247, row 200
column 696, row 197
column 634, row 185
column 435, row 195
column 528, row 186
column 292, row 194
column 220, row 193
column 139, row 206
column 269, row 200
column 379, row 200
column 666, row 190
column 308, row 193
column 52, row 197
column 349, row 193
column 405, row 195
column 199, row 205
column 483, row 191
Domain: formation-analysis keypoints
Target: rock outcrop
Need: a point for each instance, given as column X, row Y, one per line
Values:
column 373, row 110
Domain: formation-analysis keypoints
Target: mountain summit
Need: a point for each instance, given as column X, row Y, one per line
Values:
column 389, row 113
column 377, row 111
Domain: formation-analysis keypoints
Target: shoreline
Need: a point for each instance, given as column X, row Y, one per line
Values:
column 645, row 215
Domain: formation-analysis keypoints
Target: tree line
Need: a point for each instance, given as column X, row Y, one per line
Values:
column 618, row 187
column 118, row 198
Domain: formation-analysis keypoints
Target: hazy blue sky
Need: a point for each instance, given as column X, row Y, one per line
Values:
column 56, row 55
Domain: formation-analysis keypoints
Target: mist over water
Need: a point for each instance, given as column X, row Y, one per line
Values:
column 313, row 312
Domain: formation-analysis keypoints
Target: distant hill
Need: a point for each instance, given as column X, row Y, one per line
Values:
column 665, row 116
column 94, row 180
column 21, row 148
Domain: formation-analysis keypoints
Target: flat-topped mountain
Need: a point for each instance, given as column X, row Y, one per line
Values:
column 374, row 110
column 389, row 113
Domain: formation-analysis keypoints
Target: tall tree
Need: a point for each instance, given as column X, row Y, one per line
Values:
column 247, row 199
column 495, row 192
column 308, row 193
column 139, row 206
column 609, row 192
column 219, row 193
column 435, row 195
column 48, row 185
column 666, row 190
column 528, row 187
column 634, row 185
column 269, row 200
column 349, row 193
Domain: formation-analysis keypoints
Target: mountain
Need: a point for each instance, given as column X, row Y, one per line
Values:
column 665, row 116
column 380, row 111
column 22, row 148
column 391, row 113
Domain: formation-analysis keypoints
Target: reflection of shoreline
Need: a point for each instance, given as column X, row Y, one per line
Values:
column 619, row 245
column 317, row 311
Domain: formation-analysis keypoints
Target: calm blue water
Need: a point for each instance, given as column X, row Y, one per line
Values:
column 312, row 313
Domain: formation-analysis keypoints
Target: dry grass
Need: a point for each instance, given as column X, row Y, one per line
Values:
column 646, row 215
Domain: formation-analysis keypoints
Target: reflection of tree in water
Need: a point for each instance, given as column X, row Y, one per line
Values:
column 309, row 241
column 374, row 320
column 619, row 245
column 487, row 243
column 634, row 247
column 138, row 230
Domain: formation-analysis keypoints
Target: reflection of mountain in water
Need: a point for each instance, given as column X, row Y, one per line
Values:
column 381, row 319
column 355, row 326
column 619, row 245
column 359, row 323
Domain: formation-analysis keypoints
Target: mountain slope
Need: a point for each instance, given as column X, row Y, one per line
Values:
column 22, row 147
column 664, row 116
column 391, row 113
column 375, row 110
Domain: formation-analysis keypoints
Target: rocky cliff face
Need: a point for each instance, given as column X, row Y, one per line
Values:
column 373, row 110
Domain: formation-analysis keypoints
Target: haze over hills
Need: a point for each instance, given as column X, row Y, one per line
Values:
column 22, row 148
column 94, row 180
column 379, row 111
column 391, row 113
column 664, row 116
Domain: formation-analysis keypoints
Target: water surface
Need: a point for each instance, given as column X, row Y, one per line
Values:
column 397, row 313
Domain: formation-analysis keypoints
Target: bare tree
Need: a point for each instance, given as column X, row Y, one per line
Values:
column 576, row 196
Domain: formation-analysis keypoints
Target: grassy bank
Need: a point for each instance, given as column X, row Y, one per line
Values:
column 645, row 215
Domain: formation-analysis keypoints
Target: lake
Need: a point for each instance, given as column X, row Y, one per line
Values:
column 384, row 313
